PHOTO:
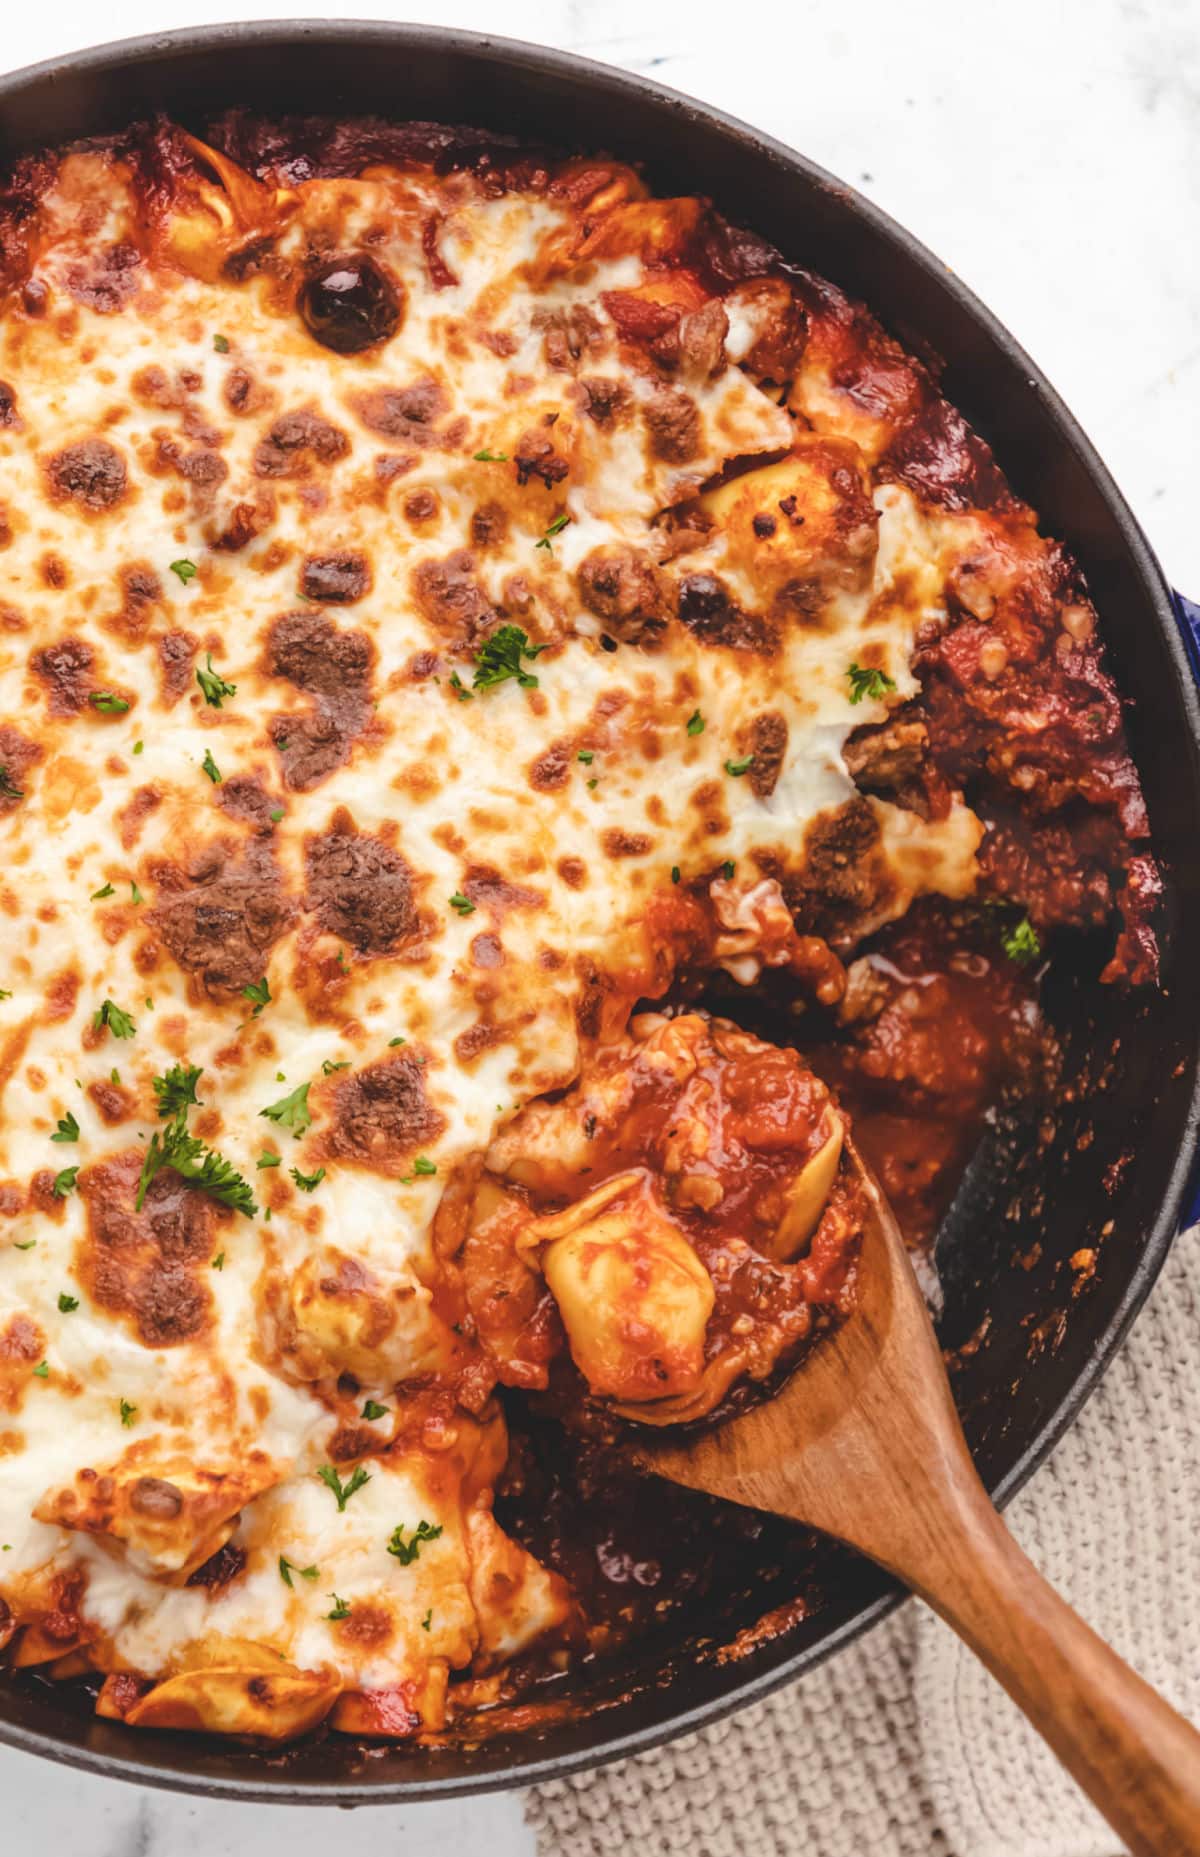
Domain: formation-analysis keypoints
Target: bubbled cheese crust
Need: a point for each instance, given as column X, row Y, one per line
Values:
column 448, row 890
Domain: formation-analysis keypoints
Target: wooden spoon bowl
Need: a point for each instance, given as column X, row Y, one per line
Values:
column 864, row 1443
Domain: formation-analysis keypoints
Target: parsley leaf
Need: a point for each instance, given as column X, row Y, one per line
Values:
column 459, row 688
column 267, row 1159
column 427, row 1620
column 42, row 1371
column 586, row 755
column 499, row 658
column 108, row 702
column 176, row 1091
column 407, row 1551
column 423, row 1165
column 64, row 1181
column 308, row 1183
column 98, row 896
column 674, row 873
column 211, row 769
column 186, row 570
column 68, row 1128
column 291, row 1111
column 491, row 457
column 201, row 1167
column 1022, row 944
column 867, row 681
column 373, row 1410
column 128, row 1414
column 9, row 790
column 340, row 1608
column 119, row 1023
column 67, row 1304
column 276, row 814
column 288, row 1567
column 138, row 747
column 556, row 528
column 738, row 768
column 343, row 1491
column 328, row 1067
column 727, row 869
column 396, row 1041
column 213, row 685
column 260, row 992
column 221, row 344
column 218, row 1262
column 135, row 895
column 695, row 724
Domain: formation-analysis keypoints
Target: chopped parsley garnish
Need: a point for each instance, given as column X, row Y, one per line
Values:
column 138, row 747
column 9, row 790
column 267, row 1159
column 586, row 755
column 108, row 702
column 68, row 1128
column 98, row 896
column 427, row 1620
column 392, row 1042
column 556, row 528
column 211, row 769
column 288, row 1567
column 463, row 904
column 343, row 1491
column 373, row 1410
column 867, row 681
column 276, row 814
column 695, row 724
column 135, row 895
column 64, row 1181
column 128, row 1414
column 186, row 570
column 674, row 873
column 176, row 1091
column 119, row 1023
column 491, row 457
column 212, row 683
column 1022, row 944
column 291, row 1111
column 727, row 869
column 201, row 1167
column 218, row 1262
column 499, row 658
column 328, row 1067
column 67, row 1304
column 407, row 1551
column 340, row 1608
column 308, row 1183
column 423, row 1165
column 26, row 1245
column 221, row 344
column 5, row 993
column 42, row 1371
column 738, row 768
column 459, row 688
column 593, row 783
column 260, row 992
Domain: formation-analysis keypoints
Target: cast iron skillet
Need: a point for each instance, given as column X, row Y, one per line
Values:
column 1133, row 1062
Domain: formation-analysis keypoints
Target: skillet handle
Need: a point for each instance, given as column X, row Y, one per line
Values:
column 1187, row 618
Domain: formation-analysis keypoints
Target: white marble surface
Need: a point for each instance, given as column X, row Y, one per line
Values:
column 1050, row 151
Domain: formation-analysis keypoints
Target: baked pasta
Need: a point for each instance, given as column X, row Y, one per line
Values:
column 468, row 627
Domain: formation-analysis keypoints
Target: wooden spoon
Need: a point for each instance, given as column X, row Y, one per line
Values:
column 864, row 1443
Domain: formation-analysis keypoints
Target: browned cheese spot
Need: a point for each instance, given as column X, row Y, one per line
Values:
column 66, row 672
column 337, row 579
column 381, row 1116
column 409, row 414
column 91, row 473
column 296, row 442
column 151, row 1267
column 451, row 598
column 221, row 914
column 176, row 654
column 768, row 740
column 17, row 755
column 624, row 587
column 333, row 668
column 359, row 888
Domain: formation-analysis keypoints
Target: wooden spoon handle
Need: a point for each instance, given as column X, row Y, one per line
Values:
column 1134, row 1756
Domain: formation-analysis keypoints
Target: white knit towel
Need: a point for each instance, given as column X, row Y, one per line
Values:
column 902, row 1746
